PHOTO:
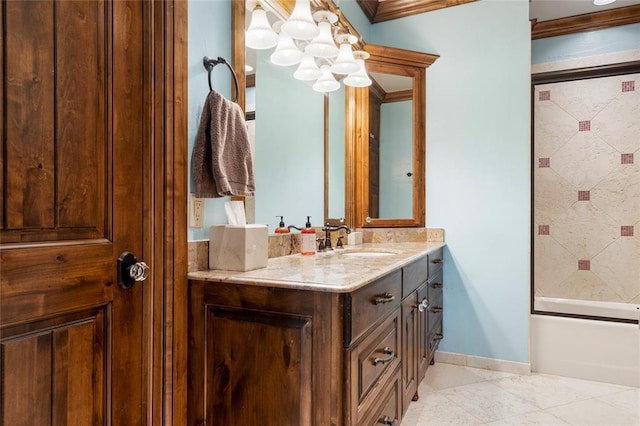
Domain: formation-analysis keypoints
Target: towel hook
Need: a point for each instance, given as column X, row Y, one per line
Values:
column 210, row 63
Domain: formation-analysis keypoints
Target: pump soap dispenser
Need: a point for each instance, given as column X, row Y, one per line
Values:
column 308, row 239
column 281, row 229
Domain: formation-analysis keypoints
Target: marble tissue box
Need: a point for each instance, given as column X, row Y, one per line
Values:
column 238, row 247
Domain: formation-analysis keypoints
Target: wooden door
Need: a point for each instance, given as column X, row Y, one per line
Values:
column 75, row 151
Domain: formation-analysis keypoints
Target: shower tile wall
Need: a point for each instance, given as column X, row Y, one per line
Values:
column 587, row 189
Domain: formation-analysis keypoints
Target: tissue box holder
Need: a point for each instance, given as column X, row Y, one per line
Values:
column 238, row 247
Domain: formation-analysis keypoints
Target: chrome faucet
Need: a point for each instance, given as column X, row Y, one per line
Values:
column 328, row 229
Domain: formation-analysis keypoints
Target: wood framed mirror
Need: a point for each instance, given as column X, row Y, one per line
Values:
column 385, row 155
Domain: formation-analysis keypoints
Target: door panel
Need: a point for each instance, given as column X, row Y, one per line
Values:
column 75, row 85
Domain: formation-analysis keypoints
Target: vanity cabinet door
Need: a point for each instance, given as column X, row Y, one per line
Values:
column 411, row 348
column 263, row 356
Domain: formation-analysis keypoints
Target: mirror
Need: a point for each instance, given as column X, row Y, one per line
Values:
column 300, row 171
column 387, row 152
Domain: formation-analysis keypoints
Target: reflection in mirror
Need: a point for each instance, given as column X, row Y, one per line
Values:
column 299, row 139
column 390, row 146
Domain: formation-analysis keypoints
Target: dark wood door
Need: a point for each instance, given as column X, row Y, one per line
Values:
column 75, row 136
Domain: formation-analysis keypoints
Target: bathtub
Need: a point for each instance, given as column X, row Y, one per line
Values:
column 590, row 349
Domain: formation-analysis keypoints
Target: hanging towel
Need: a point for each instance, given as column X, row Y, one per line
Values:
column 222, row 162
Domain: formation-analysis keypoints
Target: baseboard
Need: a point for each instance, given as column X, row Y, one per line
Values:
column 482, row 362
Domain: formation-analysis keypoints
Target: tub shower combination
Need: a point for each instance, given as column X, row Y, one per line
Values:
column 586, row 228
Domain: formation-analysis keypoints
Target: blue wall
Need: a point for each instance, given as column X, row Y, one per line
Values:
column 209, row 35
column 478, row 166
column 571, row 46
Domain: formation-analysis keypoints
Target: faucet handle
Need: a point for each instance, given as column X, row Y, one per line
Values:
column 321, row 246
column 339, row 243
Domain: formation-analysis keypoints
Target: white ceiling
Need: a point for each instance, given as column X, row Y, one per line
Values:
column 544, row 10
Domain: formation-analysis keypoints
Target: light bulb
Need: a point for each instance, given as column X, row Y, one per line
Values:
column 260, row 35
column 300, row 24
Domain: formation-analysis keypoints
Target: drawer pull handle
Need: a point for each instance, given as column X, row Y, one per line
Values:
column 437, row 337
column 383, row 298
column 436, row 261
column 437, row 285
column 386, row 351
column 386, row 420
column 436, row 309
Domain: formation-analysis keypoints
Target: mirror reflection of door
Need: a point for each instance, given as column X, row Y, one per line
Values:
column 390, row 146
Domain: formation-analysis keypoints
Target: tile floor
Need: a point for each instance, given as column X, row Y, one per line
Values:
column 457, row 395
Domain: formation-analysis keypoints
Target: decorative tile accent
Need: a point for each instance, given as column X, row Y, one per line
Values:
column 584, row 126
column 584, row 195
column 626, row 158
column 544, row 162
column 584, row 265
column 543, row 229
column 626, row 231
column 627, row 86
column 545, row 95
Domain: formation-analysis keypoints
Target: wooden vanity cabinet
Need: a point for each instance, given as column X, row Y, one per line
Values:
column 263, row 355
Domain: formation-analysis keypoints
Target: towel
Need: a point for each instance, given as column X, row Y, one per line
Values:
column 222, row 162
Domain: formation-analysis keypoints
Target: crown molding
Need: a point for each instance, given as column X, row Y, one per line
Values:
column 388, row 10
column 587, row 22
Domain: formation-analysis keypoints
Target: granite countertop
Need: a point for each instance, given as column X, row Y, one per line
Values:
column 330, row 272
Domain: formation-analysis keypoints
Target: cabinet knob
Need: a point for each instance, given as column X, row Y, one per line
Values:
column 386, row 351
column 436, row 309
column 386, row 420
column 436, row 261
column 423, row 305
column 383, row 298
column 437, row 285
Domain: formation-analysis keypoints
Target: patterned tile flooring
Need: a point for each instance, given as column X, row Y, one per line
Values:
column 457, row 395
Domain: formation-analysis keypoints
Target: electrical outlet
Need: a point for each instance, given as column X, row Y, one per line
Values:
column 196, row 211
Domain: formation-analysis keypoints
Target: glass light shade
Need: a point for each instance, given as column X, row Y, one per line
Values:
column 286, row 53
column 308, row 69
column 358, row 78
column 602, row 2
column 345, row 63
column 326, row 82
column 300, row 24
column 260, row 35
column 323, row 45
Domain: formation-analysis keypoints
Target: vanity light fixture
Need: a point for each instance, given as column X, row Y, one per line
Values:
column 300, row 24
column 260, row 35
column 345, row 62
column 326, row 82
column 308, row 69
column 300, row 41
column 360, row 77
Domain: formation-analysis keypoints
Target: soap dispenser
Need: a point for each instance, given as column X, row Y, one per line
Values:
column 281, row 229
column 308, row 239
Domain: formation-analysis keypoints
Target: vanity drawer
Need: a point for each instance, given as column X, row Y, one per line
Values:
column 413, row 275
column 434, row 311
column 434, row 287
column 435, row 262
column 375, row 356
column 367, row 306
column 387, row 410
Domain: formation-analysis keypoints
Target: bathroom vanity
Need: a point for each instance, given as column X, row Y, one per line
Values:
column 338, row 339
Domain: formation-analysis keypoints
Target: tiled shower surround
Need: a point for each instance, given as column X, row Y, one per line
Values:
column 587, row 189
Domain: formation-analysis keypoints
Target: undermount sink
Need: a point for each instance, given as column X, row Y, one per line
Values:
column 367, row 253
